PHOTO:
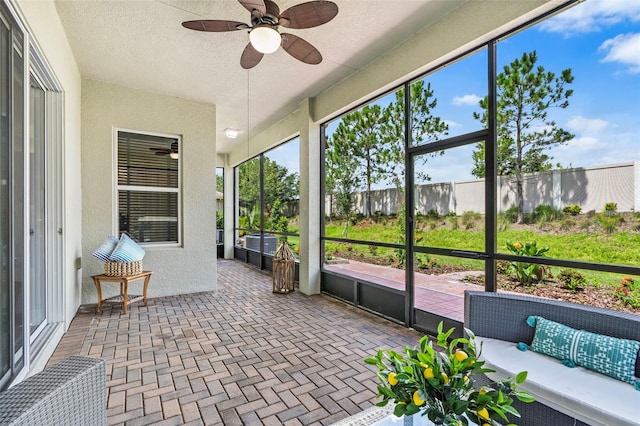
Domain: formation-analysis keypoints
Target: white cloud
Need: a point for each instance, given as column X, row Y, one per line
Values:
column 592, row 16
column 466, row 100
column 586, row 125
column 452, row 123
column 623, row 48
column 583, row 143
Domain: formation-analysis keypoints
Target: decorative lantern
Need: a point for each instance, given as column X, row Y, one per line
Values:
column 283, row 269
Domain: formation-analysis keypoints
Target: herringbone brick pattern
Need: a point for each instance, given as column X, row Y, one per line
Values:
column 239, row 355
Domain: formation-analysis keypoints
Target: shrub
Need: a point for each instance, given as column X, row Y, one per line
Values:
column 546, row 213
column 572, row 210
column 503, row 223
column 567, row 224
column 424, row 262
column 469, row 219
column 572, row 279
column 526, row 272
column 502, row 267
column 433, row 214
column 611, row 209
column 585, row 225
column 511, row 214
column 608, row 223
column 628, row 293
column 378, row 216
column 453, row 221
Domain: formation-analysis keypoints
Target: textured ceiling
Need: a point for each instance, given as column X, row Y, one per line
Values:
column 141, row 44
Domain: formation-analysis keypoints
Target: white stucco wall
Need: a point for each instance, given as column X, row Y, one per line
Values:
column 44, row 24
column 186, row 269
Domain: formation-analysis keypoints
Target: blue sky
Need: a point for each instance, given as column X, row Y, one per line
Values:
column 600, row 41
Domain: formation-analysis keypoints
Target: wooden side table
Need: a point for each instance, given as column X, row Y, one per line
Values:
column 125, row 298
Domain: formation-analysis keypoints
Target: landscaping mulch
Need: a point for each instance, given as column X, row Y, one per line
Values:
column 589, row 295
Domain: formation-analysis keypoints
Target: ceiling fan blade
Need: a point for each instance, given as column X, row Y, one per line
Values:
column 308, row 15
column 214, row 25
column 300, row 49
column 162, row 153
column 250, row 57
column 250, row 5
column 159, row 149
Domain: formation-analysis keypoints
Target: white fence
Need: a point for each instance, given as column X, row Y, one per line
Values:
column 588, row 187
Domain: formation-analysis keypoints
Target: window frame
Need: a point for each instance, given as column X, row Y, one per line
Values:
column 155, row 189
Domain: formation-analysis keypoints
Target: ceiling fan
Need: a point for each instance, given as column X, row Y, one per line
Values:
column 172, row 152
column 264, row 36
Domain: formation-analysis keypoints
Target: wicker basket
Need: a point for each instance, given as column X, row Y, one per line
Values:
column 122, row 269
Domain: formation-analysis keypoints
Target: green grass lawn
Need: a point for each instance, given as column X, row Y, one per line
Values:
column 622, row 248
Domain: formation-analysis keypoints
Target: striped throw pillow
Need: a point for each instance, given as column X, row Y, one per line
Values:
column 127, row 250
column 105, row 250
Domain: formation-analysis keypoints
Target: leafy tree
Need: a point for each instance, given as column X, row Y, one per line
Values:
column 361, row 141
column 425, row 127
column 220, row 183
column 341, row 183
column 279, row 184
column 526, row 94
column 369, row 143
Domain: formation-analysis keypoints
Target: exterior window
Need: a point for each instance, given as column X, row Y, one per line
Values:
column 148, row 185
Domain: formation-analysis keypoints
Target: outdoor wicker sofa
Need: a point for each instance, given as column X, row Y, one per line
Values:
column 72, row 392
column 564, row 396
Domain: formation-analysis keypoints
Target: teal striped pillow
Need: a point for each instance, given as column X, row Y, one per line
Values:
column 605, row 354
column 127, row 250
column 104, row 251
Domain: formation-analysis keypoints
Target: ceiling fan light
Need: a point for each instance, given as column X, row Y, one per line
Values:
column 174, row 155
column 265, row 39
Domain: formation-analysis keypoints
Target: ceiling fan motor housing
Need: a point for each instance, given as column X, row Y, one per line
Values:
column 271, row 17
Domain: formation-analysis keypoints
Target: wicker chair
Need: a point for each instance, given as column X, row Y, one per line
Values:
column 72, row 392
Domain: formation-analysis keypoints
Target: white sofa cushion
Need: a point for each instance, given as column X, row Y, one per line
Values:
column 580, row 393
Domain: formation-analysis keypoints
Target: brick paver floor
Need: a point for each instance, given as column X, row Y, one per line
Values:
column 239, row 355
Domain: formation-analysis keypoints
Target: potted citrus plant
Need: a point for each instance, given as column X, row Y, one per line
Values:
column 440, row 384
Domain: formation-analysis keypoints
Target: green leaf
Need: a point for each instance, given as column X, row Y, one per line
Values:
column 400, row 410
column 509, row 409
column 521, row 377
column 460, row 406
column 499, row 412
column 524, row 397
column 483, row 399
column 371, row 360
